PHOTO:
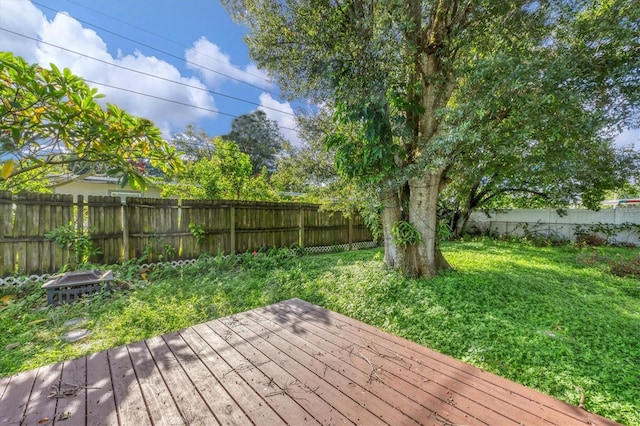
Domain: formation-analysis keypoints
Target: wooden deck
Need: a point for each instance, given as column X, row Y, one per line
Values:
column 288, row 363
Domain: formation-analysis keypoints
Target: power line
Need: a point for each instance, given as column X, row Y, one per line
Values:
column 160, row 36
column 161, row 51
column 172, row 101
column 213, row 92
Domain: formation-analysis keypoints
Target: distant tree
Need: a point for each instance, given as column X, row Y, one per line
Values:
column 310, row 166
column 194, row 144
column 50, row 117
column 226, row 175
column 259, row 137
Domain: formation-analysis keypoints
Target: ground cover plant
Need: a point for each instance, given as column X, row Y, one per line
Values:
column 557, row 319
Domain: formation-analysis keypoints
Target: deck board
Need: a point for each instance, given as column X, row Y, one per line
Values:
column 257, row 371
column 74, row 376
column 40, row 406
column 369, row 371
column 15, row 398
column 288, row 363
column 101, row 405
column 162, row 408
column 228, row 367
column 193, row 407
column 331, row 369
column 130, row 404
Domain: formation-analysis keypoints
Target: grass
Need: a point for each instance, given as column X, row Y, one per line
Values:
column 552, row 318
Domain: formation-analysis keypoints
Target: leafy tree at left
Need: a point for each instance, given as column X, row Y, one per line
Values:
column 51, row 118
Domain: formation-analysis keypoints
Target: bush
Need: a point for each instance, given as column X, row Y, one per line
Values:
column 626, row 267
column 590, row 240
column 76, row 241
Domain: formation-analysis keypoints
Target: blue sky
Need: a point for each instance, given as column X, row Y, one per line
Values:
column 193, row 46
column 193, row 42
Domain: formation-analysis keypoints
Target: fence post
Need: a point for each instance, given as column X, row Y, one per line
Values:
column 125, row 233
column 350, row 230
column 301, row 227
column 232, row 221
column 80, row 213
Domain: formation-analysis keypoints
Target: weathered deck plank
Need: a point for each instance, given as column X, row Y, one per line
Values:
column 217, row 361
column 254, row 366
column 101, row 404
column 72, row 403
column 228, row 411
column 132, row 409
column 162, row 408
column 364, row 368
column 279, row 382
column 288, row 363
column 193, row 408
column 329, row 368
column 516, row 395
column 40, row 406
column 16, row 396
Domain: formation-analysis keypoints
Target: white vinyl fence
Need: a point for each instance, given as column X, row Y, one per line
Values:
column 623, row 223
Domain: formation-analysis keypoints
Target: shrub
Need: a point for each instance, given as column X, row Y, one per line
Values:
column 76, row 241
column 590, row 240
column 626, row 267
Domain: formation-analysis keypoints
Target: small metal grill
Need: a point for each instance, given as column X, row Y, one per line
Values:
column 70, row 286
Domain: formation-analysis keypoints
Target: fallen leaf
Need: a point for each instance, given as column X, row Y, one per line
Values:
column 7, row 299
column 65, row 415
column 11, row 346
column 43, row 420
column 38, row 321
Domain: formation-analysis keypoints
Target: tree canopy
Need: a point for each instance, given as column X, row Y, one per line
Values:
column 258, row 136
column 227, row 174
column 427, row 90
column 50, row 117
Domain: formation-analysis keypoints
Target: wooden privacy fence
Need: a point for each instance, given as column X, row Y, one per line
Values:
column 162, row 229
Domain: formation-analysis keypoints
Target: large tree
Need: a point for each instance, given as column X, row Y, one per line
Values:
column 409, row 77
column 259, row 137
column 50, row 117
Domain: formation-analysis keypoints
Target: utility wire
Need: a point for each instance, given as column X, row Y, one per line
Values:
column 213, row 92
column 171, row 101
column 160, row 50
column 160, row 36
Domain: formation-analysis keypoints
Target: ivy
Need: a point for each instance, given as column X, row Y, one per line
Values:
column 405, row 234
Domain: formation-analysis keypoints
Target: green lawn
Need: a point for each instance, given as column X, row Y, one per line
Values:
column 551, row 318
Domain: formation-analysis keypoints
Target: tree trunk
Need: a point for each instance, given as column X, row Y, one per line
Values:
column 391, row 213
column 461, row 223
column 423, row 259
column 423, row 208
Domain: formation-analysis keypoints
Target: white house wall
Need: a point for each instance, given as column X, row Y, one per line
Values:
column 85, row 189
column 547, row 221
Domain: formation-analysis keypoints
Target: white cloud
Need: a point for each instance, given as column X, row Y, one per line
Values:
column 63, row 30
column 282, row 113
column 215, row 66
column 629, row 138
column 21, row 17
